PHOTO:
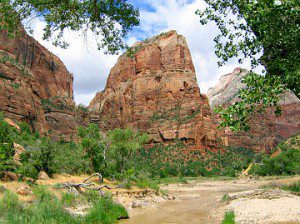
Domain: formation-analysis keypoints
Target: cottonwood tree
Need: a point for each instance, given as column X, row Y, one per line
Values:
column 122, row 147
column 109, row 20
column 267, row 32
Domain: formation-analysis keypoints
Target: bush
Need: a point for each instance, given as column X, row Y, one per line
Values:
column 49, row 209
column 7, row 135
column 71, row 159
column 286, row 163
column 105, row 211
column 229, row 218
column 53, row 157
column 38, row 159
column 174, row 160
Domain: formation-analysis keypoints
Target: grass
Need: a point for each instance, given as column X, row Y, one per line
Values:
column 49, row 209
column 229, row 218
column 105, row 211
column 225, row 198
column 155, row 183
column 293, row 188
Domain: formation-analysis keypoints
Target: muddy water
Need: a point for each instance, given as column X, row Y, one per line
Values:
column 196, row 210
column 197, row 202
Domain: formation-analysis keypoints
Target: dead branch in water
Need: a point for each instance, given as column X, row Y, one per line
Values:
column 77, row 187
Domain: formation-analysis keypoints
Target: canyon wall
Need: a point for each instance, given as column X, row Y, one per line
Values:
column 153, row 88
column 266, row 130
column 35, row 86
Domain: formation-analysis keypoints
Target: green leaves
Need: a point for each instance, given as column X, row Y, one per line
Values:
column 123, row 144
column 268, row 33
column 109, row 21
column 260, row 93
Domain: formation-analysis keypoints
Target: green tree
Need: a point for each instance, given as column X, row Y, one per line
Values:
column 109, row 20
column 93, row 144
column 268, row 33
column 122, row 146
column 7, row 151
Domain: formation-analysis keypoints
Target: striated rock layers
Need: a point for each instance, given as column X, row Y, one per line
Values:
column 267, row 130
column 155, row 91
column 35, row 86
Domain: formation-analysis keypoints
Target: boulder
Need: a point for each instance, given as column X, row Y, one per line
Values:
column 43, row 176
column 18, row 151
column 11, row 123
column 9, row 176
column 24, row 190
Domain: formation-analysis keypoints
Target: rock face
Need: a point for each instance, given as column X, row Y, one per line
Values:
column 155, row 91
column 35, row 86
column 267, row 130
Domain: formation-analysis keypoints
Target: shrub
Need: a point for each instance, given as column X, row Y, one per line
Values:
column 174, row 160
column 71, row 159
column 49, row 209
column 225, row 198
column 7, row 135
column 229, row 218
column 105, row 211
column 294, row 187
column 38, row 159
column 286, row 163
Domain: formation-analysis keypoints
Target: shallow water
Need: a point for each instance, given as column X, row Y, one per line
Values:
column 179, row 212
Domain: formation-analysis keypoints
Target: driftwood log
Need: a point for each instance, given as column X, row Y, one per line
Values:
column 77, row 188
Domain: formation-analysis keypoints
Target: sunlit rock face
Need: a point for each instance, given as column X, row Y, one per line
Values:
column 155, row 90
column 36, row 87
column 267, row 130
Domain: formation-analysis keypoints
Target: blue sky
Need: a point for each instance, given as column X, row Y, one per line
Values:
column 91, row 66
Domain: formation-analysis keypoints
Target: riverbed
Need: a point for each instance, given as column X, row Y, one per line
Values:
column 199, row 202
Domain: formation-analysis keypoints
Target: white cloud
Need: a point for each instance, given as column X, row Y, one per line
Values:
column 91, row 67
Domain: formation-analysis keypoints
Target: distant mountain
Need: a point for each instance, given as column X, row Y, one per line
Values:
column 267, row 130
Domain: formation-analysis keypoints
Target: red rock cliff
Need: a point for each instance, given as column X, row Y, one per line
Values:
column 266, row 130
column 36, row 86
column 156, row 91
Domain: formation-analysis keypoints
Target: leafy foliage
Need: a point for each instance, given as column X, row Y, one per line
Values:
column 174, row 160
column 7, row 134
column 267, row 32
column 93, row 145
column 286, row 163
column 229, row 218
column 110, row 21
column 53, row 157
column 265, row 94
column 122, row 146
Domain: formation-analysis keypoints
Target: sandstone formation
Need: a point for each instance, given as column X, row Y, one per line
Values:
column 267, row 130
column 18, row 151
column 35, row 86
column 155, row 91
